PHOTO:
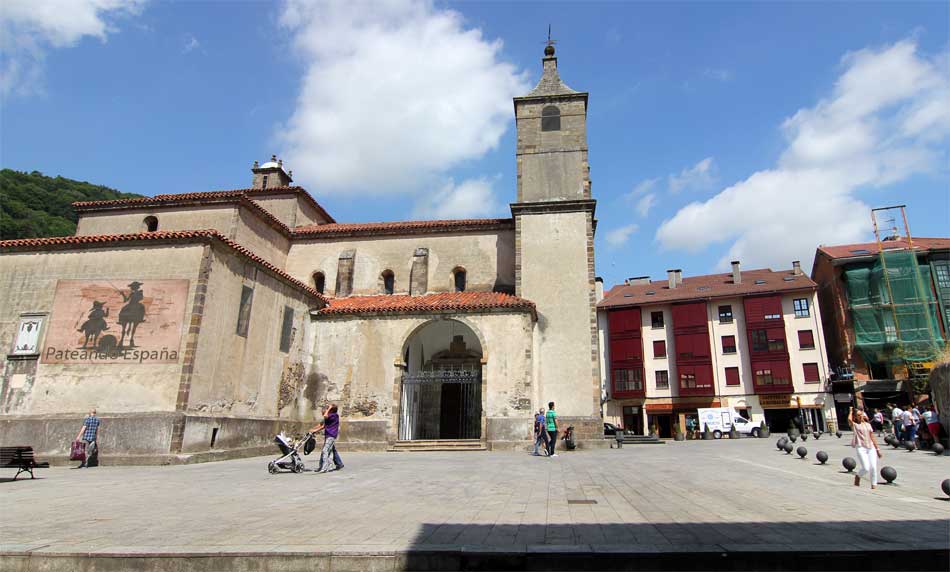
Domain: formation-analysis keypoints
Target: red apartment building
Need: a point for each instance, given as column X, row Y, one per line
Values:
column 750, row 340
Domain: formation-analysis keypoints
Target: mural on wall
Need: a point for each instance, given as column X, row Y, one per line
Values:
column 111, row 321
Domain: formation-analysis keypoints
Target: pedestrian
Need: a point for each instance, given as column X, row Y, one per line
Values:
column 336, row 456
column 910, row 427
column 932, row 418
column 877, row 422
column 897, row 418
column 89, row 434
column 331, row 430
column 865, row 445
column 540, row 435
column 550, row 419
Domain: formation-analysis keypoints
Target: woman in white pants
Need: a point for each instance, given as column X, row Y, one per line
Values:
column 865, row 446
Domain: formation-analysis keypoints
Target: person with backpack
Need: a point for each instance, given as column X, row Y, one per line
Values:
column 550, row 419
column 540, row 435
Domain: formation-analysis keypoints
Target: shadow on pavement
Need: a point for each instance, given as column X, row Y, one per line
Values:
column 858, row 545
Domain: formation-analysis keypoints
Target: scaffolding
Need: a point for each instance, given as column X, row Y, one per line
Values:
column 893, row 308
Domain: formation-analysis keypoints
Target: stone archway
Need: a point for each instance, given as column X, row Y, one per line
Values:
column 440, row 393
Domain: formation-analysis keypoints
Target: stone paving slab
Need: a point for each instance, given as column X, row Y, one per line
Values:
column 734, row 498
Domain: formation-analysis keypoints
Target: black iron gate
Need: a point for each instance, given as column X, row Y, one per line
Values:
column 441, row 402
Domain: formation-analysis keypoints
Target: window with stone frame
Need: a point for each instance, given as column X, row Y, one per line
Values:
column 244, row 310
column 319, row 282
column 387, row 282
column 551, row 118
column 287, row 329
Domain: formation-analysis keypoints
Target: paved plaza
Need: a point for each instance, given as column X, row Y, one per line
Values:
column 720, row 498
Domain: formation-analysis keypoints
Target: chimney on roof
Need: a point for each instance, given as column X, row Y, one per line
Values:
column 736, row 273
column 271, row 174
column 599, row 288
column 671, row 278
column 637, row 280
column 679, row 276
column 797, row 267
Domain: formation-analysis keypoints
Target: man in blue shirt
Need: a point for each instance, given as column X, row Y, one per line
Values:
column 540, row 435
column 89, row 434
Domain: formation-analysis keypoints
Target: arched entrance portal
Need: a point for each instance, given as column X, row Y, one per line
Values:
column 441, row 394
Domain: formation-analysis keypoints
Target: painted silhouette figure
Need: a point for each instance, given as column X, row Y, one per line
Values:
column 132, row 314
column 95, row 324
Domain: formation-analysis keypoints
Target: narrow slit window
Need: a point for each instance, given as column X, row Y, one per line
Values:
column 458, row 276
column 244, row 311
column 319, row 282
column 287, row 329
column 388, row 282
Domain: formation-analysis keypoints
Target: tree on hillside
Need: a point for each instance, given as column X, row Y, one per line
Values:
column 33, row 205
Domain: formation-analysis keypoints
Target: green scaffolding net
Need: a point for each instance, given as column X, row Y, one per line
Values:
column 894, row 310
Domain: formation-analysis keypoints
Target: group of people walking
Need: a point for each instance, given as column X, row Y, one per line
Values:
column 908, row 425
column 545, row 432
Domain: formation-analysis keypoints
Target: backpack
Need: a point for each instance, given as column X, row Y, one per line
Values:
column 310, row 445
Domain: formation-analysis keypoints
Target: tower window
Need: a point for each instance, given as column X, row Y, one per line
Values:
column 388, row 280
column 319, row 282
column 458, row 277
column 264, row 182
column 151, row 223
column 551, row 118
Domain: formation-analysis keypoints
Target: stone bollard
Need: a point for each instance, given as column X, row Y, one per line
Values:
column 802, row 452
column 849, row 464
column 945, row 487
column 822, row 457
column 937, row 449
column 889, row 474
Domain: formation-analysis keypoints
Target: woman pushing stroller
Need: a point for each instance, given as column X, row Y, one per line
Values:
column 329, row 459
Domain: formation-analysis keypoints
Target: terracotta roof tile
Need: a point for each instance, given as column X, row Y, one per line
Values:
column 405, row 304
column 161, row 236
column 870, row 248
column 402, row 227
column 705, row 287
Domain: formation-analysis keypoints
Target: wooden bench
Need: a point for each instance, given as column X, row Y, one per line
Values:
column 21, row 458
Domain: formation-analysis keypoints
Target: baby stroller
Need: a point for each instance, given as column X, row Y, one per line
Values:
column 290, row 453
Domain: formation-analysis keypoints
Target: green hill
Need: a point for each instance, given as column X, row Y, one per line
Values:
column 33, row 205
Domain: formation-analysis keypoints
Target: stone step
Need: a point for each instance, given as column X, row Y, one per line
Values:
column 439, row 445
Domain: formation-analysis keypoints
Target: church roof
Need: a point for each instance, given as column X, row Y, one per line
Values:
column 66, row 242
column 474, row 302
column 550, row 82
column 402, row 227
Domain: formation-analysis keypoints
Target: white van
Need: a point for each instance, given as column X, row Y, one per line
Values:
column 721, row 419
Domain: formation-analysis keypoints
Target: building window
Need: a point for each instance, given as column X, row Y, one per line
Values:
column 725, row 314
column 776, row 344
column 760, row 341
column 773, row 316
column 244, row 311
column 662, row 379
column 763, row 377
column 287, row 329
column 458, row 279
column 943, row 275
column 264, row 182
column 732, row 376
column 688, row 380
column 806, row 340
column 319, row 282
column 388, row 280
column 656, row 319
column 659, row 348
column 150, row 223
column 811, row 372
column 801, row 307
column 728, row 344
column 551, row 118
column 628, row 380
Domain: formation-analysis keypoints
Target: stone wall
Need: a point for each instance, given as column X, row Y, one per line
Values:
column 257, row 234
column 488, row 259
column 552, row 165
column 127, row 221
column 360, row 361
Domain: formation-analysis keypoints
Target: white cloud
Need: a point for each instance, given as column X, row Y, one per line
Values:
column 700, row 176
column 644, row 186
column 471, row 198
column 883, row 122
column 28, row 28
column 619, row 236
column 190, row 44
column 646, row 203
column 395, row 93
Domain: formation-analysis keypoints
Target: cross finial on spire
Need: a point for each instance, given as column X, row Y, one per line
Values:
column 549, row 48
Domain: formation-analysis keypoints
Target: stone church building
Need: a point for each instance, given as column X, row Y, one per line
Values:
column 200, row 324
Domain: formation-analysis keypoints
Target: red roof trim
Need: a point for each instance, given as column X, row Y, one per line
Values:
column 402, row 227
column 27, row 244
column 443, row 302
column 866, row 249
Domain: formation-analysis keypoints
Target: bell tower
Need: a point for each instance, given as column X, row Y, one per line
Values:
column 554, row 246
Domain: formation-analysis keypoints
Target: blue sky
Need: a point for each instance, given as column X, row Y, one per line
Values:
column 716, row 130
